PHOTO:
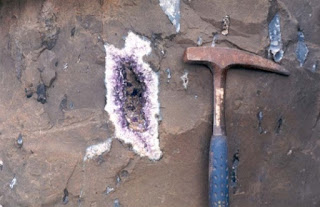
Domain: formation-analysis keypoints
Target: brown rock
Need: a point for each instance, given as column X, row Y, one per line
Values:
column 277, row 168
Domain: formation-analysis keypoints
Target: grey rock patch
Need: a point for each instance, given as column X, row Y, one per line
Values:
column 302, row 49
column 275, row 48
column 109, row 190
column 65, row 198
column 1, row 165
column 168, row 74
column 64, row 103
column 185, row 79
column 315, row 66
column 214, row 39
column 20, row 141
column 225, row 25
column 98, row 149
column 172, row 9
column 199, row 41
column 13, row 182
column 42, row 93
column 116, row 203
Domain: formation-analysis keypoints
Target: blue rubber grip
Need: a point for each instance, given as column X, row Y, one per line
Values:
column 218, row 172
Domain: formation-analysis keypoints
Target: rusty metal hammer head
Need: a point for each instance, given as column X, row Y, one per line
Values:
column 219, row 59
column 224, row 58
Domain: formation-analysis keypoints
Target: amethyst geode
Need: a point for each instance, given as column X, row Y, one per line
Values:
column 132, row 96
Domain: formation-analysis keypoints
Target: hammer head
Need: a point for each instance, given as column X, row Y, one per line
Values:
column 220, row 58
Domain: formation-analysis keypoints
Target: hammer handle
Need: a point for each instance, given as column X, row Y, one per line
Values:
column 218, row 172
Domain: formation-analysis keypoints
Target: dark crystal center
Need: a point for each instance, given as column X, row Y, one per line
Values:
column 134, row 100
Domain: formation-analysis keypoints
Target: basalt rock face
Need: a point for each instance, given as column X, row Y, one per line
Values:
column 52, row 72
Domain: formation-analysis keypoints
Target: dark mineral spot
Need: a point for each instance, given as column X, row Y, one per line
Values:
column 42, row 93
column 279, row 124
column 63, row 104
column 260, row 117
column 100, row 160
column 258, row 92
column 101, row 2
column 65, row 198
column 66, row 103
column 133, row 89
column 134, row 92
column 20, row 141
column 71, row 105
column 124, row 174
column 49, row 40
column 234, row 171
column 118, row 180
column 156, row 37
column 28, row 92
column 73, row 30
column 116, row 203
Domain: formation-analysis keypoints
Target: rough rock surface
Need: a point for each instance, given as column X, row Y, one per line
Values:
column 59, row 43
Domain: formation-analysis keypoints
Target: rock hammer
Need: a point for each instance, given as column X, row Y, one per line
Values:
column 219, row 59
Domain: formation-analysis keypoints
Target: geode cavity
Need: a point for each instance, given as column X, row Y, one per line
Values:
column 132, row 96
